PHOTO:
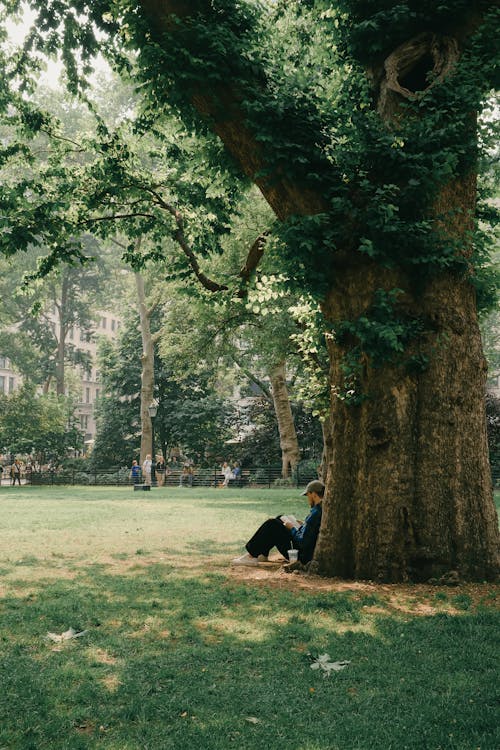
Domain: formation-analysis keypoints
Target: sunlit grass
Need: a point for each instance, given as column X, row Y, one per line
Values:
column 182, row 652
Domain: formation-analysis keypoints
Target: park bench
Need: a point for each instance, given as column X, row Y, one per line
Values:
column 241, row 481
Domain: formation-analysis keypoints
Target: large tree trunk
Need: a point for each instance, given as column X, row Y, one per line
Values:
column 409, row 484
column 290, row 453
column 414, row 499
column 408, row 488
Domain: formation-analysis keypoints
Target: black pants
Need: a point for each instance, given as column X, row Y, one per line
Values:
column 271, row 534
column 16, row 477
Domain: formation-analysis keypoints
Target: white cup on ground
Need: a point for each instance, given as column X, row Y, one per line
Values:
column 293, row 555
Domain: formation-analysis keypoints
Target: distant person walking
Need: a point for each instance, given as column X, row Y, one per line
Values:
column 146, row 469
column 184, row 477
column 15, row 472
column 160, row 470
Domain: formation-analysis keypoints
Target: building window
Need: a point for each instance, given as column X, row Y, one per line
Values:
column 3, row 362
column 11, row 385
column 96, row 394
column 2, row 384
column 103, row 322
column 87, row 395
column 113, row 324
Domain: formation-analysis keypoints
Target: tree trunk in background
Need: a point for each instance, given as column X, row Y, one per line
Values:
column 290, row 453
column 147, row 375
column 409, row 491
column 61, row 338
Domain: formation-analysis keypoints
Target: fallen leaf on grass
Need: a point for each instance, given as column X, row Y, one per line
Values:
column 323, row 662
column 252, row 719
column 66, row 636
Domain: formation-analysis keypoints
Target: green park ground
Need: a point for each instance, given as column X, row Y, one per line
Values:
column 182, row 651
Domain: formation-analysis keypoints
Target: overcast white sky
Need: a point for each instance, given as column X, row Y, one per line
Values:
column 17, row 31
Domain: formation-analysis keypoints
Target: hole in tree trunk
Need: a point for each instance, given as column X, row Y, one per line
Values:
column 419, row 77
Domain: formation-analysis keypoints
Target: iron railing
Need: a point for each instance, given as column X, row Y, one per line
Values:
column 260, row 476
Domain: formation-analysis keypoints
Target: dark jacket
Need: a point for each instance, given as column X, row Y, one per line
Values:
column 304, row 538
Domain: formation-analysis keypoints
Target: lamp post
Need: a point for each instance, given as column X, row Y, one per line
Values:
column 153, row 410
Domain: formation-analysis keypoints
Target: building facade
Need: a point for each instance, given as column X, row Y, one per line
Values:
column 107, row 324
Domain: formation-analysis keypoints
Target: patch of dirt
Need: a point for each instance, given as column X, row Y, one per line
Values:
column 103, row 657
column 111, row 683
column 405, row 598
column 381, row 599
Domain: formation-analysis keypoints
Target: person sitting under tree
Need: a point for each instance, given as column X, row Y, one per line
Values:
column 285, row 532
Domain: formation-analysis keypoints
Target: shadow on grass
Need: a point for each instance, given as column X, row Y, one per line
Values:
column 203, row 662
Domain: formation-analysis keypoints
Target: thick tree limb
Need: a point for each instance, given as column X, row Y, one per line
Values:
column 223, row 108
column 254, row 379
column 181, row 240
column 253, row 259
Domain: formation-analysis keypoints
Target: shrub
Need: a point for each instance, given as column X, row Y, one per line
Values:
column 81, row 477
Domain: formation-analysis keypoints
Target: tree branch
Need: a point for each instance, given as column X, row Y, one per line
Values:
column 155, row 337
column 253, row 259
column 118, row 216
column 221, row 106
column 180, row 237
column 254, row 379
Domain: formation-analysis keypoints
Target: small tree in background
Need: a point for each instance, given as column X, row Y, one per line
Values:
column 38, row 425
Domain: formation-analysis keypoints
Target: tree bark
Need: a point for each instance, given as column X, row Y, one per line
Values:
column 409, row 491
column 61, row 337
column 409, row 484
column 413, row 500
column 147, row 373
column 290, row 453
column 327, row 431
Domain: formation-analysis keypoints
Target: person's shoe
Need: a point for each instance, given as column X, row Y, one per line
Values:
column 263, row 558
column 245, row 559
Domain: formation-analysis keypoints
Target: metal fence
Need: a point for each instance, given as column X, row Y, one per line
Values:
column 260, row 476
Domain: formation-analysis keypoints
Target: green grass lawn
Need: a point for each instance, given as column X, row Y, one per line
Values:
column 183, row 652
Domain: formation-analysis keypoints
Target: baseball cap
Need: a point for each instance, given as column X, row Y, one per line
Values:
column 315, row 486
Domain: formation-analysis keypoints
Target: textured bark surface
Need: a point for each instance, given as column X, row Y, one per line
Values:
column 147, row 373
column 289, row 445
column 409, row 484
column 61, row 338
